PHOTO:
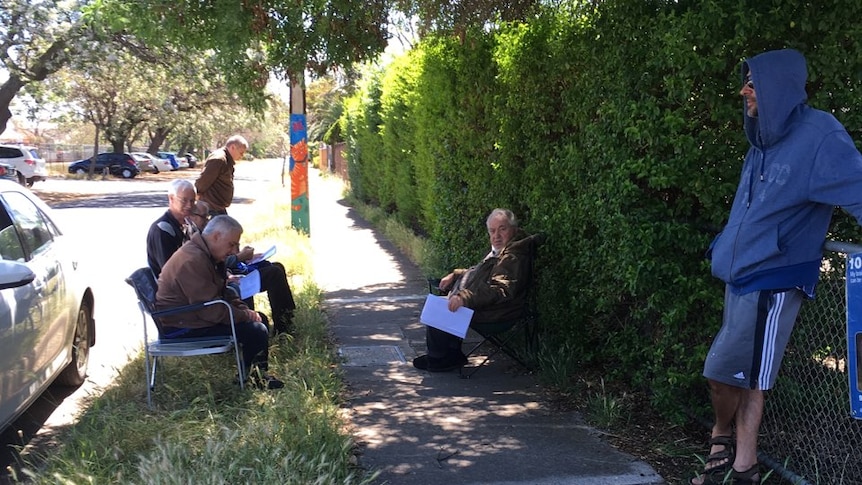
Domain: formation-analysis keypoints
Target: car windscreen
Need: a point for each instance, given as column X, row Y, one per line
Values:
column 10, row 243
column 36, row 231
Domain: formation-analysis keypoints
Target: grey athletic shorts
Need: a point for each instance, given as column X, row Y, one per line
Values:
column 748, row 349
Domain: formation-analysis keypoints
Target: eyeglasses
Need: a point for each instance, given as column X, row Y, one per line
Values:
column 749, row 84
column 205, row 217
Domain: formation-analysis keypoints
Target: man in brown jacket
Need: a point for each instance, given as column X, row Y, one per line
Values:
column 495, row 289
column 195, row 274
column 215, row 183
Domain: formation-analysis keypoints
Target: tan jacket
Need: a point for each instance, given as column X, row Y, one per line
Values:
column 191, row 276
column 215, row 183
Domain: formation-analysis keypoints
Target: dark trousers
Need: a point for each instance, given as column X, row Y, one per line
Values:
column 273, row 280
column 253, row 337
column 440, row 343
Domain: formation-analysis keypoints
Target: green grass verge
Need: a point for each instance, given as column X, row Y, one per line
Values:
column 203, row 428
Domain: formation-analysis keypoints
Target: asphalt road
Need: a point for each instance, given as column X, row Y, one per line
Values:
column 110, row 218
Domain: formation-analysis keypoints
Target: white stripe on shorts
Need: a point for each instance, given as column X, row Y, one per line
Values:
column 776, row 303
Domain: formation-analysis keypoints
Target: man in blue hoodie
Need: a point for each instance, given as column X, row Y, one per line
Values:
column 801, row 164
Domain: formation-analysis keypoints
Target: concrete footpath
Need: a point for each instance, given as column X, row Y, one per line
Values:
column 422, row 428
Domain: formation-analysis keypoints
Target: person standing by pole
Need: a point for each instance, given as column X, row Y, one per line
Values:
column 215, row 183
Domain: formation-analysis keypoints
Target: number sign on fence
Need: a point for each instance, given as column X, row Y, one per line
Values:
column 854, row 332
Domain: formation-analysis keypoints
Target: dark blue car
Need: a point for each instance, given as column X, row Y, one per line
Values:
column 118, row 164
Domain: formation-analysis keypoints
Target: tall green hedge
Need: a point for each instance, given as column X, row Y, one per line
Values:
column 614, row 127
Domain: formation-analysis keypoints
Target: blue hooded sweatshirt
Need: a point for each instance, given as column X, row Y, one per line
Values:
column 801, row 164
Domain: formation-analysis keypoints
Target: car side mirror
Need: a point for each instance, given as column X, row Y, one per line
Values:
column 14, row 275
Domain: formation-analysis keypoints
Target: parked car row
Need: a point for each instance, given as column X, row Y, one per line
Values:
column 129, row 165
column 26, row 161
column 23, row 164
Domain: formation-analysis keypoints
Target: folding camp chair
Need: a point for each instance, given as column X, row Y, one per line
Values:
column 503, row 335
column 144, row 283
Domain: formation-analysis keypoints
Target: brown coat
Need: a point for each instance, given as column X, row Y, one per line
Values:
column 496, row 287
column 191, row 276
column 215, row 183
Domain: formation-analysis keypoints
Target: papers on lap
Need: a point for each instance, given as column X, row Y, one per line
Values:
column 249, row 285
column 436, row 313
column 268, row 254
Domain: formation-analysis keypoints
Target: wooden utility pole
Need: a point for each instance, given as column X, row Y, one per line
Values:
column 298, row 158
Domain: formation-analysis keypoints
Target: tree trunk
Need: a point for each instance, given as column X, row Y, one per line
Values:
column 157, row 138
column 95, row 154
column 48, row 63
column 7, row 93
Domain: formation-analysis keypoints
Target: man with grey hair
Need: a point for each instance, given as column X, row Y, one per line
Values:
column 167, row 233
column 495, row 289
column 215, row 183
column 190, row 277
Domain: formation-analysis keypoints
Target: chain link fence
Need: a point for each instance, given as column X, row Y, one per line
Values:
column 807, row 426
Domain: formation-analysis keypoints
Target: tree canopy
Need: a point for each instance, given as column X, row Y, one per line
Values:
column 252, row 39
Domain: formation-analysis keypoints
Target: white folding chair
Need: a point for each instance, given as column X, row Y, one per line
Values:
column 144, row 283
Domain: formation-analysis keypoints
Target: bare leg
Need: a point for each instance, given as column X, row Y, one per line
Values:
column 726, row 403
column 748, row 419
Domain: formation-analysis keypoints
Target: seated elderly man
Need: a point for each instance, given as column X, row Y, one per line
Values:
column 167, row 233
column 273, row 276
column 195, row 274
column 494, row 289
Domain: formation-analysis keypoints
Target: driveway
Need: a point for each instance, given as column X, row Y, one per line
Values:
column 111, row 218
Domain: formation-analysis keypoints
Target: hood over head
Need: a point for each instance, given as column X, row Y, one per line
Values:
column 779, row 82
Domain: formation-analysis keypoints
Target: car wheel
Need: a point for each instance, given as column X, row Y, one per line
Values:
column 75, row 373
column 22, row 180
column 30, row 182
column 126, row 173
column 155, row 170
column 80, row 171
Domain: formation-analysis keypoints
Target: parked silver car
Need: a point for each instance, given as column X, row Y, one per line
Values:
column 151, row 163
column 46, row 307
column 31, row 167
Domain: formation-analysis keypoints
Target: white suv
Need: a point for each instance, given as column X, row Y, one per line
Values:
column 26, row 160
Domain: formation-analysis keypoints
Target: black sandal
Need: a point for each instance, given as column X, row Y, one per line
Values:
column 717, row 474
column 747, row 477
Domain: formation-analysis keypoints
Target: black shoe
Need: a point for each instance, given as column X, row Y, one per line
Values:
column 284, row 325
column 447, row 364
column 435, row 364
column 421, row 362
column 265, row 381
column 288, row 329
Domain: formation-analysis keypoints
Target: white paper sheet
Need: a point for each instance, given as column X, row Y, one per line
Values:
column 249, row 285
column 436, row 314
column 268, row 254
